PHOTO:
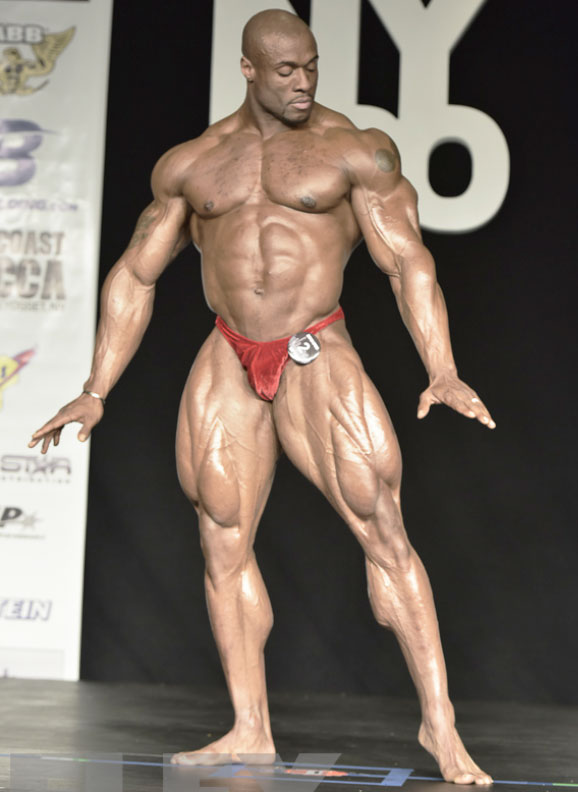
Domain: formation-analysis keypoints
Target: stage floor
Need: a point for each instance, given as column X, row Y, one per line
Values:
column 97, row 737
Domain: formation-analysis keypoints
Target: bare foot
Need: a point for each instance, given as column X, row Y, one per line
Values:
column 455, row 763
column 235, row 746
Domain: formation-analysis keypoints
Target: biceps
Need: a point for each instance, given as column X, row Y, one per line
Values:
column 389, row 222
column 387, row 231
column 374, row 234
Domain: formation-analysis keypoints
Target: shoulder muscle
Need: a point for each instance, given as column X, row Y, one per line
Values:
column 373, row 161
column 170, row 171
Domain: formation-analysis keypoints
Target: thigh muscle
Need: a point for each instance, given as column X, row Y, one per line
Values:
column 226, row 441
column 333, row 425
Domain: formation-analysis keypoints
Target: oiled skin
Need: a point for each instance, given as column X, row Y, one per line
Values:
column 289, row 259
column 275, row 206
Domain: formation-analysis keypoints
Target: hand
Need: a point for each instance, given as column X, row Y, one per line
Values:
column 86, row 410
column 449, row 389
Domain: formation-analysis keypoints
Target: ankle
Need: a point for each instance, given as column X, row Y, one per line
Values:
column 252, row 720
column 438, row 718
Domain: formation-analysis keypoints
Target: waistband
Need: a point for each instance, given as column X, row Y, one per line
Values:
column 227, row 331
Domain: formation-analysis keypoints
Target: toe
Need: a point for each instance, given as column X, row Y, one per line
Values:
column 464, row 778
column 180, row 759
column 191, row 758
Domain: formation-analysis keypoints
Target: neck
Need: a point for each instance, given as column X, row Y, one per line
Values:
column 253, row 115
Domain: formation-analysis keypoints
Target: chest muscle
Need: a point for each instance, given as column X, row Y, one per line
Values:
column 294, row 170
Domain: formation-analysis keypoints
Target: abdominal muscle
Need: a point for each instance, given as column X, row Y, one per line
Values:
column 271, row 271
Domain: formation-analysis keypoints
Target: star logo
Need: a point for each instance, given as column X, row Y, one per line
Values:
column 29, row 520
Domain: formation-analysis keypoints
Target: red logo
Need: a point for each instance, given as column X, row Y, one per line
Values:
column 10, row 368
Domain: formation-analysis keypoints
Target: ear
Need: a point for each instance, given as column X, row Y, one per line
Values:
column 247, row 69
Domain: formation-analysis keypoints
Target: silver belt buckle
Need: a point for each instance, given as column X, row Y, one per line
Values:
column 303, row 348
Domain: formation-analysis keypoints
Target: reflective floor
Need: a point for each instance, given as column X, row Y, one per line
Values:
column 97, row 737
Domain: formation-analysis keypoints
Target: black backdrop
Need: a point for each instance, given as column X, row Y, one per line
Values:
column 491, row 514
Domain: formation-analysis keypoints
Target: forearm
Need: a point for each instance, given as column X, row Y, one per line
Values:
column 423, row 310
column 126, row 309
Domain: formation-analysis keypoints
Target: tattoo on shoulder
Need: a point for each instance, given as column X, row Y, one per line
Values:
column 144, row 222
column 387, row 159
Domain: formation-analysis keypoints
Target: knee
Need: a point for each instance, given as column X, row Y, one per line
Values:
column 225, row 552
column 387, row 545
column 393, row 554
column 375, row 518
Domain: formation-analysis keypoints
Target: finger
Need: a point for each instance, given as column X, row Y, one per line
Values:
column 56, row 438
column 425, row 402
column 86, row 430
column 54, row 423
column 458, row 403
column 46, row 443
column 480, row 411
column 475, row 408
column 48, row 429
column 483, row 414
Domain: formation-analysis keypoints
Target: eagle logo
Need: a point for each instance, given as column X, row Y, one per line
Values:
column 16, row 70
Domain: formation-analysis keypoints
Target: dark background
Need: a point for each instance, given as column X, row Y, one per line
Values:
column 491, row 513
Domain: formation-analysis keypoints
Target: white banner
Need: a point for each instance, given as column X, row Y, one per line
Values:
column 53, row 83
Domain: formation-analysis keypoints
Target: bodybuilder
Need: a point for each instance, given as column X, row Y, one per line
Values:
column 275, row 197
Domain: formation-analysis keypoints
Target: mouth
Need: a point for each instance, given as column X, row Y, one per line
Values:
column 302, row 104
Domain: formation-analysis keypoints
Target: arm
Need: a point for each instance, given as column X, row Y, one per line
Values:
column 385, row 206
column 127, row 299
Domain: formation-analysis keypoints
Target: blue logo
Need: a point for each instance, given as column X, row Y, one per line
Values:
column 18, row 138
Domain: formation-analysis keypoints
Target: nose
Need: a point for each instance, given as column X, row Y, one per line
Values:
column 303, row 80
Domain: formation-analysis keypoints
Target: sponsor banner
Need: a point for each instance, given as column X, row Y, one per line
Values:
column 53, row 81
column 19, row 609
column 35, row 468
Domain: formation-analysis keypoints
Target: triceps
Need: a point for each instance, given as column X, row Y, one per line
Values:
column 389, row 224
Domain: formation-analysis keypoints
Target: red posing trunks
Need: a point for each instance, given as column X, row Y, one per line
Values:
column 264, row 361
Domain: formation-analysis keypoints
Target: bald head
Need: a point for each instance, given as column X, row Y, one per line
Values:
column 268, row 29
column 280, row 65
